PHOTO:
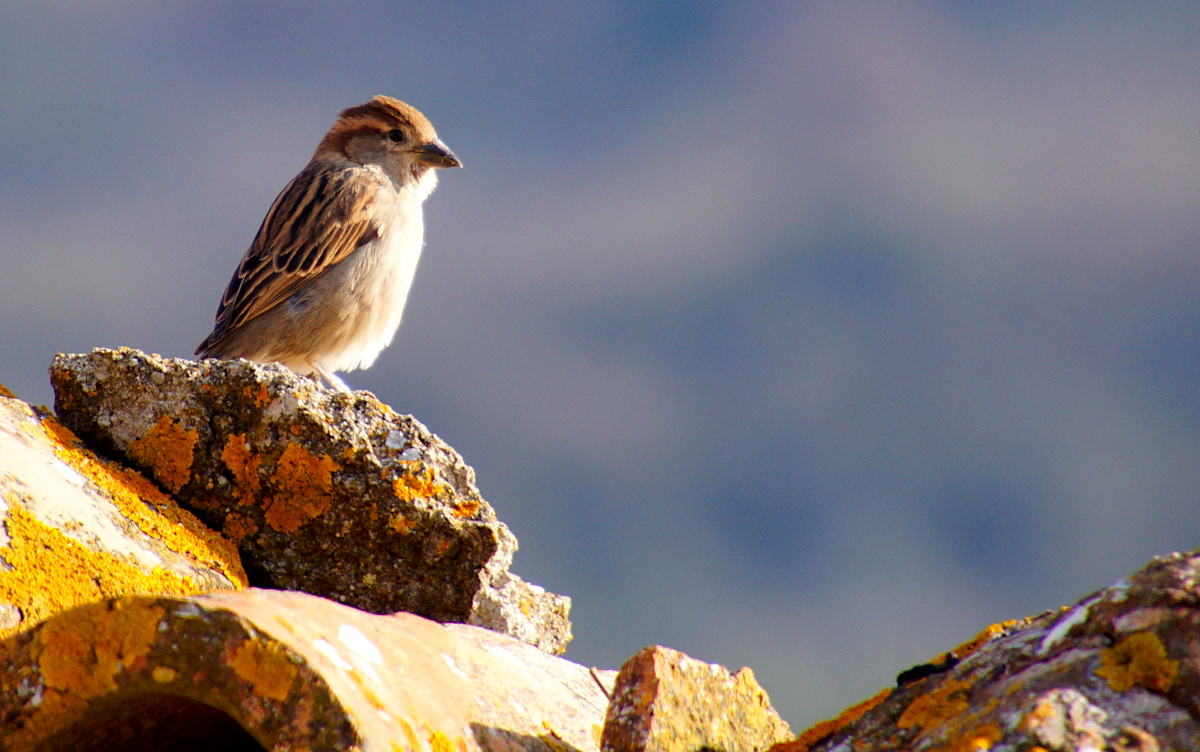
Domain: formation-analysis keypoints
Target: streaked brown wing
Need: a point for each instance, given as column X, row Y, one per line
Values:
column 315, row 222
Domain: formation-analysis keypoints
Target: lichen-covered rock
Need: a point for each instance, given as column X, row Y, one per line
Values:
column 262, row 669
column 78, row 529
column 508, row 604
column 1118, row 671
column 665, row 701
column 328, row 493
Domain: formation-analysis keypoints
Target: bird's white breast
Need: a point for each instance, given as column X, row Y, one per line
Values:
column 378, row 277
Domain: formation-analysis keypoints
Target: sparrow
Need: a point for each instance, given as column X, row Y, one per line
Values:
column 323, row 285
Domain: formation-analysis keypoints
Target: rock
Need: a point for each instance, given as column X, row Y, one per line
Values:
column 511, row 606
column 665, row 700
column 1118, row 671
column 327, row 493
column 78, row 529
column 262, row 669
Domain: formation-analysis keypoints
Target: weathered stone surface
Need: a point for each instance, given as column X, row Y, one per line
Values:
column 1118, row 671
column 78, row 529
column 328, row 493
column 268, row 669
column 665, row 700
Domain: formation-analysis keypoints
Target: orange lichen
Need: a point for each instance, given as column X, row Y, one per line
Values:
column 83, row 654
column 977, row 740
column 465, row 509
column 1046, row 711
column 167, row 450
column 1138, row 659
column 237, row 527
column 268, row 667
column 244, row 465
column 5, row 393
column 825, row 729
column 418, row 485
column 143, row 504
column 302, row 482
column 937, row 707
column 79, row 659
column 401, row 524
column 260, row 398
column 976, row 642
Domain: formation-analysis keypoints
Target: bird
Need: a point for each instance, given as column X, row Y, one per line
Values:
column 323, row 285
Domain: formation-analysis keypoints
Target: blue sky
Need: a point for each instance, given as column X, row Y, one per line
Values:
column 810, row 337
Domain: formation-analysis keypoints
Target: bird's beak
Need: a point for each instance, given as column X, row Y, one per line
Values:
column 436, row 154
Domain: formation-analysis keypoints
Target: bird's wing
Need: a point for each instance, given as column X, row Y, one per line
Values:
column 315, row 222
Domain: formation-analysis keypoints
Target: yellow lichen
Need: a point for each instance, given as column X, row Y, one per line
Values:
column 163, row 674
column 52, row 572
column 1138, row 659
column 937, row 707
column 167, row 450
column 367, row 692
column 143, row 504
column 302, row 483
column 419, row 485
column 414, row 741
column 267, row 667
column 824, row 729
column 554, row 740
column 244, row 464
column 79, row 658
column 401, row 524
column 439, row 742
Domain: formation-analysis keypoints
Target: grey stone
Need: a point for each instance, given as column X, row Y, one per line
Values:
column 328, row 493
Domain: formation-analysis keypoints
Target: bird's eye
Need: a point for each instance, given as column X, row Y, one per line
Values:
column 396, row 135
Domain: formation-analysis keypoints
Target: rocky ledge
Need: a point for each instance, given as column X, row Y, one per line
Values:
column 133, row 527
column 323, row 492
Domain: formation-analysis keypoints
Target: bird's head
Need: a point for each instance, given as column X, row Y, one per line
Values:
column 390, row 134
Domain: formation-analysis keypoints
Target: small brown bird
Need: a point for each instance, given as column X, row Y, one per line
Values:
column 323, row 285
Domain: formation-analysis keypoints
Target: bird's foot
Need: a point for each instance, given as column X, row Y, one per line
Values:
column 333, row 381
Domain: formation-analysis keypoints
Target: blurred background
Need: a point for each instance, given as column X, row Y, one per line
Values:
column 812, row 337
